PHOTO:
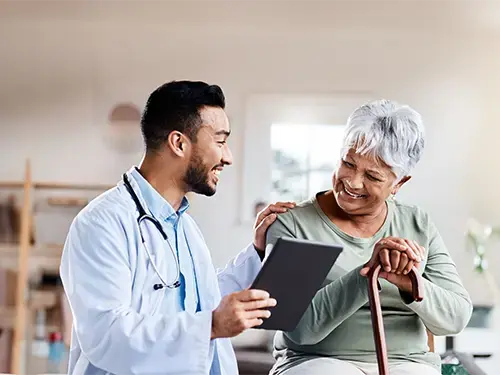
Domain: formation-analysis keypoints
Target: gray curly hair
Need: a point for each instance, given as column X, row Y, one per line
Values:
column 387, row 130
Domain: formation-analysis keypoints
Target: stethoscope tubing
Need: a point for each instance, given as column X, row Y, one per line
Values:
column 143, row 216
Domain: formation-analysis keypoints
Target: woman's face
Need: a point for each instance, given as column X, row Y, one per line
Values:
column 362, row 183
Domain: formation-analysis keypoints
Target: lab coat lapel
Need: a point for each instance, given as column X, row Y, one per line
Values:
column 209, row 292
column 205, row 272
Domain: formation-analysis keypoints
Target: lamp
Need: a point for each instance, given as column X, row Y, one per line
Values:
column 123, row 127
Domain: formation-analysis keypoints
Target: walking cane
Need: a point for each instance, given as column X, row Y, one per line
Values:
column 376, row 312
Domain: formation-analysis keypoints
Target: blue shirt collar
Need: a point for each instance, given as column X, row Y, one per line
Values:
column 155, row 203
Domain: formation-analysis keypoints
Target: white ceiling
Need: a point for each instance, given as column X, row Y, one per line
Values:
column 471, row 15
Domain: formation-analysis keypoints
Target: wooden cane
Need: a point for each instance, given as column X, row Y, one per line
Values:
column 376, row 312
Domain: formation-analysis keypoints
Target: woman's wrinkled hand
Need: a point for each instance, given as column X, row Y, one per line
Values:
column 397, row 256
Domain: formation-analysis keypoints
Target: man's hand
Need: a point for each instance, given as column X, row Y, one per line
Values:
column 397, row 257
column 264, row 219
column 240, row 311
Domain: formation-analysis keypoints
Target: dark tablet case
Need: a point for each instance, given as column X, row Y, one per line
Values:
column 292, row 274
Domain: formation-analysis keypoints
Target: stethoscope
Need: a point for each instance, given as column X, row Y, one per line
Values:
column 143, row 216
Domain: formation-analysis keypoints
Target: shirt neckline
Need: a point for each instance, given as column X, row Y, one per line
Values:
column 360, row 240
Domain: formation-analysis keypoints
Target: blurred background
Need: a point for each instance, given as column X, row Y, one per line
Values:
column 75, row 76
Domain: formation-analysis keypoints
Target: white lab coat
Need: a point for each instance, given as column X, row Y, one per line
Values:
column 108, row 279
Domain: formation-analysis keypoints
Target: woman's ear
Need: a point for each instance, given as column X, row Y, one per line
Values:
column 401, row 182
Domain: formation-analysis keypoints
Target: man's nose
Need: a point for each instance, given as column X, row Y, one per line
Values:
column 227, row 156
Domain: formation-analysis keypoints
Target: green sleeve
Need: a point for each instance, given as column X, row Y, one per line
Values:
column 446, row 308
column 332, row 304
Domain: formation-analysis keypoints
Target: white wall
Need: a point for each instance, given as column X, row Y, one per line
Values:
column 65, row 65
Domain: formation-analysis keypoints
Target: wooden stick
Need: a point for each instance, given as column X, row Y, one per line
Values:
column 376, row 312
column 22, row 276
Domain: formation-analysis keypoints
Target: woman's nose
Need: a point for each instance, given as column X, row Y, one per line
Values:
column 355, row 183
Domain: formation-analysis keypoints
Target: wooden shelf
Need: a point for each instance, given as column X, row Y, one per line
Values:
column 46, row 258
column 39, row 299
column 25, row 258
column 69, row 186
column 42, row 299
column 11, row 184
column 47, row 185
column 67, row 201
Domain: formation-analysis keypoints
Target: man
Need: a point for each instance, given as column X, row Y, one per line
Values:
column 144, row 294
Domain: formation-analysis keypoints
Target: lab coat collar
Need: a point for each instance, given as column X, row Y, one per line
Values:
column 153, row 202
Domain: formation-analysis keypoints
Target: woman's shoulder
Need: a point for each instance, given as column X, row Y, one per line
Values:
column 410, row 215
column 303, row 212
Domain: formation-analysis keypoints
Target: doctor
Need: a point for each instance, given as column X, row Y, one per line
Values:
column 143, row 291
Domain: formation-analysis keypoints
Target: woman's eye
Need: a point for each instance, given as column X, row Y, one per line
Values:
column 347, row 164
column 373, row 178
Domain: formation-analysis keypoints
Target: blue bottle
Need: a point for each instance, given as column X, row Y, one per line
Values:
column 56, row 352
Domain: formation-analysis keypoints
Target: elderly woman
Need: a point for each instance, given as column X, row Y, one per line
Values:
column 382, row 143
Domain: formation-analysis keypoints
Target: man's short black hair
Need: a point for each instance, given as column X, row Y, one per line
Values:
column 176, row 106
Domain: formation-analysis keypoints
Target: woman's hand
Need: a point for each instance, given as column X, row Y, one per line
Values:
column 397, row 256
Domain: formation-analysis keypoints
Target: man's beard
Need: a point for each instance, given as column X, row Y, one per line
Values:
column 196, row 177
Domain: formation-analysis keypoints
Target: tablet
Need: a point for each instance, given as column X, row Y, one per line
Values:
column 292, row 274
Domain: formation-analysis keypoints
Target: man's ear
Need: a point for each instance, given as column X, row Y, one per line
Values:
column 178, row 143
column 401, row 182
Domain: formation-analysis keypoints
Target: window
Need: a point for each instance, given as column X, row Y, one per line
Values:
column 300, row 124
column 303, row 159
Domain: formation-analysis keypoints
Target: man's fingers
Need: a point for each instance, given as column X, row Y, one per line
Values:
column 251, row 295
column 286, row 204
column 263, row 314
column 279, row 207
column 268, row 221
column 265, row 224
column 254, row 323
column 263, row 215
column 259, row 304
column 282, row 204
